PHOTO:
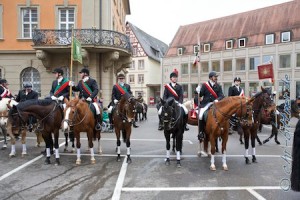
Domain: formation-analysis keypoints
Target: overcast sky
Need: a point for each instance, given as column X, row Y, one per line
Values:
column 162, row 18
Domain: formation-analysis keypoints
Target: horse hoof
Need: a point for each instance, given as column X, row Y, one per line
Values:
column 3, row 148
column 178, row 164
column 254, row 160
column 47, row 161
column 129, row 160
column 212, row 168
column 118, row 159
column 66, row 150
column 259, row 143
column 225, row 167
column 167, row 162
column 78, row 162
column 247, row 161
column 277, row 142
column 23, row 154
column 12, row 155
column 57, row 162
column 93, row 161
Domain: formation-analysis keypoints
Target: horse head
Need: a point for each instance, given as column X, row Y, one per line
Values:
column 70, row 112
column 168, row 112
column 262, row 99
column 3, row 118
column 130, row 108
column 246, row 113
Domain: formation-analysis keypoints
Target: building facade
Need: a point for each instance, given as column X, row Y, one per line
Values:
column 35, row 38
column 235, row 45
column 144, row 75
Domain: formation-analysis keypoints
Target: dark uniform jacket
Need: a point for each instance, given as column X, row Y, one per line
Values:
column 87, row 89
column 2, row 89
column 60, row 90
column 233, row 91
column 116, row 93
column 178, row 89
column 23, row 97
column 207, row 96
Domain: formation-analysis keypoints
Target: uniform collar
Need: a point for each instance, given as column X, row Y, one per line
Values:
column 85, row 79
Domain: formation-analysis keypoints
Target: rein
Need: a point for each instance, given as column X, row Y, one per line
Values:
column 65, row 120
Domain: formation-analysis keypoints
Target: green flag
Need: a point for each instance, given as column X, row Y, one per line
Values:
column 77, row 50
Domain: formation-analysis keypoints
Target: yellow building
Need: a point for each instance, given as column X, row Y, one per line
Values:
column 35, row 38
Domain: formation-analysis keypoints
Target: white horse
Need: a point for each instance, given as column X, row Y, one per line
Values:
column 5, row 102
column 189, row 104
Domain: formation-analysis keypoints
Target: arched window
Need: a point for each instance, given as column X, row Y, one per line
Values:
column 31, row 75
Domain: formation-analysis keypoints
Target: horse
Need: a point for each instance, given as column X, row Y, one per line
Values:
column 268, row 118
column 145, row 111
column 217, row 124
column 139, row 111
column 262, row 100
column 3, row 127
column 123, row 116
column 80, row 118
column 172, row 115
column 295, row 174
column 49, row 114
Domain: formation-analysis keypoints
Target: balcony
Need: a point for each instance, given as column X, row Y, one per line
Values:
column 94, row 40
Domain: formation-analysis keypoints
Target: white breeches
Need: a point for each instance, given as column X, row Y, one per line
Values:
column 181, row 105
column 202, row 110
column 97, row 108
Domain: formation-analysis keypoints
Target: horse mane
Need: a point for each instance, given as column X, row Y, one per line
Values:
column 42, row 102
column 227, row 100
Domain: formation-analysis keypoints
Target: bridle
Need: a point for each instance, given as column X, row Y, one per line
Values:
column 75, row 110
column 168, row 117
column 123, row 113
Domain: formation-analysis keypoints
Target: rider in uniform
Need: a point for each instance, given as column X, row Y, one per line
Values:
column 118, row 90
column 26, row 94
column 4, row 91
column 210, row 91
column 88, row 90
column 174, row 90
column 60, row 86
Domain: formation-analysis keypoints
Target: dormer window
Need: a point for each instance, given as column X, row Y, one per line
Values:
column 206, row 48
column 180, row 51
column 229, row 44
column 242, row 42
column 270, row 38
column 196, row 48
column 286, row 36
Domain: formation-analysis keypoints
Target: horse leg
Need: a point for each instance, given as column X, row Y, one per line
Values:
column 167, row 136
column 272, row 135
column 174, row 143
column 56, row 146
column 224, row 142
column 246, row 138
column 49, row 143
column 24, row 150
column 216, row 142
column 253, row 136
column 213, row 150
column 66, row 133
column 276, row 134
column 4, row 131
column 258, row 140
column 117, row 130
column 98, row 136
column 78, row 146
column 128, row 147
column 240, row 132
column 179, row 139
column 91, row 145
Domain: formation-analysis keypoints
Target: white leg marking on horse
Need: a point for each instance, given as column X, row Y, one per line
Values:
column 13, row 150
column 99, row 147
column 246, row 152
column 24, row 150
column 78, row 153
column 128, row 150
column 48, row 152
column 56, row 153
column 212, row 163
column 168, row 153
column 93, row 160
column 118, row 150
column 66, row 126
column 178, row 155
column 225, row 167
column 253, row 151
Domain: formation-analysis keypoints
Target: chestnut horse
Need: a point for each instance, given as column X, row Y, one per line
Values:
column 123, row 116
column 49, row 114
column 80, row 118
column 217, row 123
column 262, row 100
column 172, row 115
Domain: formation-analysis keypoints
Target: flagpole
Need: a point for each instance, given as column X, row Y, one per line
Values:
column 71, row 66
column 198, row 93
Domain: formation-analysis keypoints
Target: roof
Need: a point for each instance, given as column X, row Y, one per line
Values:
column 153, row 47
column 253, row 25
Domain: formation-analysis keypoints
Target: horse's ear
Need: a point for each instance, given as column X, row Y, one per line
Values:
column 162, row 101
column 66, row 101
column 171, row 102
column 76, row 96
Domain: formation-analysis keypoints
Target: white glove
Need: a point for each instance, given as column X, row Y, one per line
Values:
column 61, row 98
column 71, row 83
column 89, row 99
column 53, row 98
column 216, row 100
column 198, row 88
column 116, row 101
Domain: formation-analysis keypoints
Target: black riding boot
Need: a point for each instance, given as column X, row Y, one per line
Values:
column 185, row 122
column 98, row 125
column 201, row 134
column 160, row 124
column 134, row 124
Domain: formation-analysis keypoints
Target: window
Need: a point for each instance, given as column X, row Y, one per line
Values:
column 284, row 61
column 270, row 38
column 194, row 86
column 206, row 47
column 298, row 60
column 31, row 75
column 298, row 89
column 1, row 72
column 131, row 78
column 227, row 65
column 216, row 66
column 226, row 88
column 229, row 44
column 194, row 70
column 240, row 64
column 29, row 21
column 253, row 88
column 286, row 36
column 134, row 51
column 283, row 89
column 141, row 64
column 179, row 51
column 185, row 88
column 139, row 92
column 254, row 62
column 196, row 49
column 184, row 68
column 267, row 58
column 132, row 67
column 1, row 28
column 66, row 18
column 204, row 67
column 242, row 42
column 140, row 78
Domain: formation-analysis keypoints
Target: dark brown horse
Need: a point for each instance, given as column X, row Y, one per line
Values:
column 268, row 118
column 123, row 116
column 80, row 118
column 49, row 115
column 217, row 124
column 262, row 100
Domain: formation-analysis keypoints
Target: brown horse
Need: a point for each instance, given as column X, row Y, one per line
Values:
column 80, row 118
column 217, row 124
column 49, row 115
column 123, row 117
column 262, row 100
column 3, row 127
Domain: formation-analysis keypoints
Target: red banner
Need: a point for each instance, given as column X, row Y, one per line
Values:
column 265, row 71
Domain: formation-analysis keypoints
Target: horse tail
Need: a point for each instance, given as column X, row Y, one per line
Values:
column 124, row 135
column 295, row 175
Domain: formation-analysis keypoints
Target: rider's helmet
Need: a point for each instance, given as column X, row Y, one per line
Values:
column 27, row 85
column 237, row 79
column 212, row 73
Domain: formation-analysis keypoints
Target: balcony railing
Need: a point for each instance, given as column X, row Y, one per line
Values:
column 87, row 37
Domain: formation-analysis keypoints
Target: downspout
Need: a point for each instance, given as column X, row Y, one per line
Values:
column 100, row 15
column 100, row 58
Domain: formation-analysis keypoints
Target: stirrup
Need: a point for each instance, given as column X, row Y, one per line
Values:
column 201, row 135
column 98, row 127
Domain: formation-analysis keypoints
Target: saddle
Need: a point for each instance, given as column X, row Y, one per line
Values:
column 193, row 117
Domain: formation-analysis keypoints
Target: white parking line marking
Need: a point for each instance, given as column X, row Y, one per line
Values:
column 145, row 189
column 120, row 181
column 254, row 193
column 23, row 166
